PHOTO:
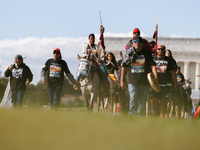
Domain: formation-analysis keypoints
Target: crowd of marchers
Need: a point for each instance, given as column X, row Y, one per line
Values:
column 128, row 76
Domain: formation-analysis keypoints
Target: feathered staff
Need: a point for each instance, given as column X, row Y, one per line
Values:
column 101, row 38
column 155, row 35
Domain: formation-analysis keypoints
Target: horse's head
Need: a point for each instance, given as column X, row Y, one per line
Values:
column 83, row 68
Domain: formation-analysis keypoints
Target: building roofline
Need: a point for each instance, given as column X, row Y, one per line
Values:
column 163, row 38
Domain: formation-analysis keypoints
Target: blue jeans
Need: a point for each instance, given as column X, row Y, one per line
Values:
column 138, row 97
column 17, row 97
column 54, row 96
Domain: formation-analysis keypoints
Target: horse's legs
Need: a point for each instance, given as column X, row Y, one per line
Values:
column 100, row 100
column 113, row 104
column 172, row 107
column 181, row 105
column 112, row 97
column 99, row 103
column 92, row 98
column 86, row 100
column 105, row 102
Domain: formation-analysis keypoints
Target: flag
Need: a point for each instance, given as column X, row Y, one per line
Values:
column 155, row 35
column 101, row 38
column 6, row 101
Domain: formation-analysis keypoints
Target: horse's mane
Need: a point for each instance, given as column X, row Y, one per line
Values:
column 92, row 66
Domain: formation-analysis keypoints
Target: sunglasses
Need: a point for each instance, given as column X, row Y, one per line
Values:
column 136, row 32
column 162, row 49
column 55, row 52
column 136, row 41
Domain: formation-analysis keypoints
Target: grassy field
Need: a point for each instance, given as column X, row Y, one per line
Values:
column 32, row 129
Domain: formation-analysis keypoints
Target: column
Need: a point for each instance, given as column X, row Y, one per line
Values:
column 186, row 70
column 197, row 78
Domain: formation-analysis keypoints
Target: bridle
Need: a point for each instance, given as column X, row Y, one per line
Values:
column 89, row 79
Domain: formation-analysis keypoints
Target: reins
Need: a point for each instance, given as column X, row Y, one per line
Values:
column 88, row 81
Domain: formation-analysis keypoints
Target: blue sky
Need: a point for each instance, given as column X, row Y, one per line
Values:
column 33, row 28
column 76, row 18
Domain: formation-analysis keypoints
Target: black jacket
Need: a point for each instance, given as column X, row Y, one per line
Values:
column 18, row 76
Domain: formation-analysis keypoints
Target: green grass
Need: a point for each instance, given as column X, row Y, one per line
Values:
column 31, row 129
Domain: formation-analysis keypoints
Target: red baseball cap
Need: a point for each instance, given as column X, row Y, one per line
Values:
column 136, row 30
column 57, row 49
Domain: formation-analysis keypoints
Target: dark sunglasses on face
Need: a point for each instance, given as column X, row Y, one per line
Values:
column 160, row 49
column 136, row 32
column 55, row 52
column 135, row 41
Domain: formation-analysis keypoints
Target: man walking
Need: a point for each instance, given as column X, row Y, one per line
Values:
column 137, row 63
column 20, row 77
column 55, row 77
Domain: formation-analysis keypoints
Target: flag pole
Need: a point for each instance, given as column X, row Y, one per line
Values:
column 156, row 31
column 100, row 17
column 155, row 35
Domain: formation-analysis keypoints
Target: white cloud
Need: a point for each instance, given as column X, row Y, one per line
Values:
column 38, row 50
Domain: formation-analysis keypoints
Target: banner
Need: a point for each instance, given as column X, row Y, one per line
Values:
column 6, row 101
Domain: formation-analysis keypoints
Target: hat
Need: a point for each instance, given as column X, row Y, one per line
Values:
column 19, row 57
column 137, row 37
column 163, row 46
column 136, row 30
column 57, row 49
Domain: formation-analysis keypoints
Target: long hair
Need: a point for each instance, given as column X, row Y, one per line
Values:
column 113, row 59
column 170, row 53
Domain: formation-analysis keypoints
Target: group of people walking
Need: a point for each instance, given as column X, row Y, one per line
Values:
column 139, row 58
column 52, row 74
column 148, row 58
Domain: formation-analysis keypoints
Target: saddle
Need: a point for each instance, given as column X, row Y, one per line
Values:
column 114, row 79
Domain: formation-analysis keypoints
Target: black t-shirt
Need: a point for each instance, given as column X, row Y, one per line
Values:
column 119, row 63
column 174, row 63
column 137, row 72
column 111, row 67
column 56, row 71
column 164, row 66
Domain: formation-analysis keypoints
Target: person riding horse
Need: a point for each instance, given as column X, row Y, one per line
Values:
column 111, row 66
column 92, row 52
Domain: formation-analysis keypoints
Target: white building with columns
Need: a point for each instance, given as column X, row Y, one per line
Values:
column 186, row 52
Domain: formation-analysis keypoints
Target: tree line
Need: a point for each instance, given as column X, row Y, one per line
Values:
column 37, row 95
